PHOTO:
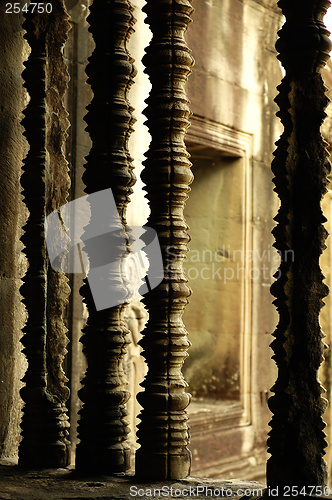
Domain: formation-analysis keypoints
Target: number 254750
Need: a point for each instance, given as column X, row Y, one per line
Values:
column 40, row 8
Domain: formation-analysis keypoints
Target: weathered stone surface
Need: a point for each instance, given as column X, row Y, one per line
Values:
column 233, row 87
column 297, row 440
column 163, row 430
column 64, row 484
column 233, row 84
column 103, row 427
column 12, row 218
column 325, row 372
column 45, row 187
column 216, row 268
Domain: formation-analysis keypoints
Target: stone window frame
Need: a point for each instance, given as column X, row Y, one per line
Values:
column 233, row 143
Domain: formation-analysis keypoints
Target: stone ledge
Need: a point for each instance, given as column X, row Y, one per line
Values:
column 66, row 484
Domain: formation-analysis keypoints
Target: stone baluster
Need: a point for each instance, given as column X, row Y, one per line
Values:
column 103, row 426
column 300, row 166
column 163, row 430
column 44, row 423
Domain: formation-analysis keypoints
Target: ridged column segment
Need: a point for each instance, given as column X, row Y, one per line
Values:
column 297, row 440
column 163, row 431
column 44, row 422
column 103, row 426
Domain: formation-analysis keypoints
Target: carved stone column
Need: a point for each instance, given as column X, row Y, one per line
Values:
column 296, row 441
column 163, row 430
column 103, row 426
column 45, row 183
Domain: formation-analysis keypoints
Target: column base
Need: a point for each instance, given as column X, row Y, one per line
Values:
column 162, row 466
column 101, row 461
column 52, row 456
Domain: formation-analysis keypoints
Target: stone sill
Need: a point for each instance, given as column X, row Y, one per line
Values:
column 65, row 484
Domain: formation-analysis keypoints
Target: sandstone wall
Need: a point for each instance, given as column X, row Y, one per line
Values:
column 231, row 212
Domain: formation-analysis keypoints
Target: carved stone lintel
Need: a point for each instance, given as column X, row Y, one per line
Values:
column 44, row 423
column 103, row 426
column 163, row 430
column 297, row 440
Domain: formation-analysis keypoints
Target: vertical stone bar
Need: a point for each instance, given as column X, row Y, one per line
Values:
column 44, row 423
column 103, row 426
column 57, row 193
column 296, row 441
column 163, row 430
